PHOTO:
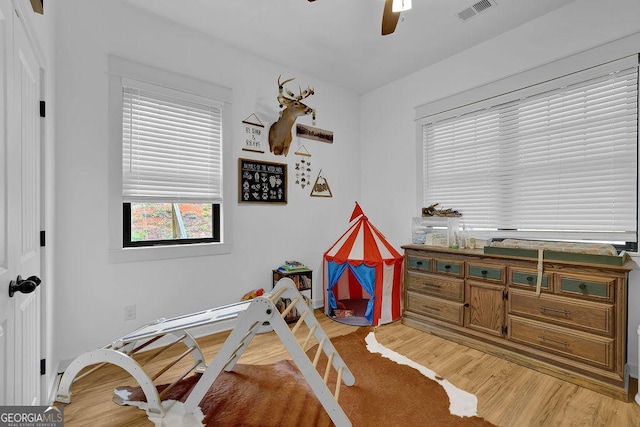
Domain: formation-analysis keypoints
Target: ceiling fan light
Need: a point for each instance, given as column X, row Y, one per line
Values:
column 401, row 5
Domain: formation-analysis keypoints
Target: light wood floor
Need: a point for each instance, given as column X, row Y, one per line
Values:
column 508, row 394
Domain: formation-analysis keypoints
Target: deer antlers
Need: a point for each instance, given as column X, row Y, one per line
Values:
column 292, row 97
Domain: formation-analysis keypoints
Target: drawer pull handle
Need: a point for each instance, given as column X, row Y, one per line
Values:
column 447, row 267
column 554, row 310
column 545, row 339
column 433, row 285
column 582, row 286
column 418, row 262
column 530, row 279
column 431, row 308
column 484, row 272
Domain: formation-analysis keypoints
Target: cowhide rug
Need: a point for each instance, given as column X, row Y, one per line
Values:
column 390, row 390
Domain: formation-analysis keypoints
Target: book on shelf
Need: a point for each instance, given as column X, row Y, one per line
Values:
column 292, row 266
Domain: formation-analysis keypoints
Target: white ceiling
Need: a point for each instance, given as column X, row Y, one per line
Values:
column 339, row 41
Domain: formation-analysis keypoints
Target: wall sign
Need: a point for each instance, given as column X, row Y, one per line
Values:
column 253, row 132
column 321, row 187
column 261, row 182
column 309, row 132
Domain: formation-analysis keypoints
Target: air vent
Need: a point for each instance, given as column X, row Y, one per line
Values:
column 482, row 5
column 475, row 9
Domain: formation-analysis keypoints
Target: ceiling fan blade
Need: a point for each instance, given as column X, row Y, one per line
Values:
column 389, row 18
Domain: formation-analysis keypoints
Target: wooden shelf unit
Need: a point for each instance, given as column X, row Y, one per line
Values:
column 575, row 330
column 303, row 280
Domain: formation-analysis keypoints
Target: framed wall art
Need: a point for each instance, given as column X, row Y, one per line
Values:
column 261, row 182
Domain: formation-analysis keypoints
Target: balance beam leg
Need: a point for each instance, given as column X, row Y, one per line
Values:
column 257, row 313
column 308, row 370
column 153, row 407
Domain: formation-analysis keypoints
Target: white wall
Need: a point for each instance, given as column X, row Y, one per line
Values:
column 387, row 121
column 92, row 292
column 374, row 145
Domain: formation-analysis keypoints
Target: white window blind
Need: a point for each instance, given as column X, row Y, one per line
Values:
column 171, row 146
column 548, row 162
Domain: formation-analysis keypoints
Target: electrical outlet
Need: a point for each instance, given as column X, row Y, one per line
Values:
column 129, row 312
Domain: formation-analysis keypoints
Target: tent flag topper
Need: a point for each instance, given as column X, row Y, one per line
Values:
column 362, row 265
column 357, row 211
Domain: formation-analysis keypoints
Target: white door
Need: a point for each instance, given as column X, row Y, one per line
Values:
column 20, row 340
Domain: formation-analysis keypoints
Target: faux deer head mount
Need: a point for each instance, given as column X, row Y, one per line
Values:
column 280, row 132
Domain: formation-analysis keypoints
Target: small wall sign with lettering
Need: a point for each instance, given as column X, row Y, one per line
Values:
column 253, row 131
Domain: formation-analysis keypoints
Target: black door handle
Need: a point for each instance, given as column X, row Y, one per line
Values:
column 26, row 286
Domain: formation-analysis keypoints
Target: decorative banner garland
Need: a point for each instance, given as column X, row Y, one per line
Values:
column 303, row 167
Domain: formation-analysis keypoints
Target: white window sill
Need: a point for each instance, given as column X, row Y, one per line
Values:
column 154, row 253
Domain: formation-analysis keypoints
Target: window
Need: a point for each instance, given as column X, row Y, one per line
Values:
column 171, row 166
column 167, row 151
column 556, row 160
column 149, row 224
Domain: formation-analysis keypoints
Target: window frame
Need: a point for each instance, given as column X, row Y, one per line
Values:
column 506, row 90
column 119, row 71
column 128, row 243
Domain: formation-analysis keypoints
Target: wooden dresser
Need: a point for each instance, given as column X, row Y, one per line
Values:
column 575, row 330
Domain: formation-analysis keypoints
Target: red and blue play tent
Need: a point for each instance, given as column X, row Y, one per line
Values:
column 362, row 264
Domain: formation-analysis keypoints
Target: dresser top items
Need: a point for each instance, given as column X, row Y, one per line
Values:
column 548, row 251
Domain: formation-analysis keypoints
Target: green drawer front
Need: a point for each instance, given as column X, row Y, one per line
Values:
column 485, row 272
column 420, row 263
column 448, row 267
column 586, row 288
column 529, row 279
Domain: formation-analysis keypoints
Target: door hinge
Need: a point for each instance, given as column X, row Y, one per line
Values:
column 505, row 295
column 42, row 109
column 43, row 366
column 43, row 240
